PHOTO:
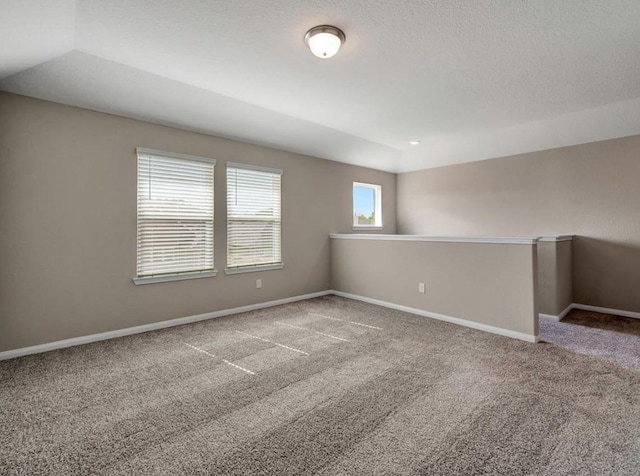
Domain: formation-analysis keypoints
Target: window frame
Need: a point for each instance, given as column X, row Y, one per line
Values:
column 185, row 275
column 252, row 268
column 377, row 198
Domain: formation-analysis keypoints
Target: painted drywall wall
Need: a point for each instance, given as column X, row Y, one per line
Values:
column 591, row 191
column 68, row 223
column 555, row 283
column 492, row 284
column 564, row 276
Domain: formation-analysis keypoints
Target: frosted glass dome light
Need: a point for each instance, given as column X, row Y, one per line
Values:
column 324, row 41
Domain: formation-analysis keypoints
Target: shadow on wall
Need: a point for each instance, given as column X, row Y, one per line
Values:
column 606, row 273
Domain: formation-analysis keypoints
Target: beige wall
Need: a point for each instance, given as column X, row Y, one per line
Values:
column 555, row 287
column 564, row 276
column 68, row 223
column 492, row 284
column 591, row 190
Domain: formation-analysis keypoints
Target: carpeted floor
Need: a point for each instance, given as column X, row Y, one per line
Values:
column 327, row 386
column 612, row 338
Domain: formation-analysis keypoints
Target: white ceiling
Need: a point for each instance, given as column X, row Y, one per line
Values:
column 470, row 79
column 34, row 31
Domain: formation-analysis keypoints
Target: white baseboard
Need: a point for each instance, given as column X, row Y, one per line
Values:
column 606, row 310
column 550, row 317
column 36, row 349
column 442, row 317
column 585, row 307
column 61, row 344
column 560, row 316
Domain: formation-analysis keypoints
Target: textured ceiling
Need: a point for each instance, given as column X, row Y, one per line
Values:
column 470, row 79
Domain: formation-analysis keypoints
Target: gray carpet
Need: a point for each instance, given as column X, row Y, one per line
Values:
column 350, row 389
column 607, row 337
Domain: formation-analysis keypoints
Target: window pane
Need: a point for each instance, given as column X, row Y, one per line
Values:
column 366, row 205
column 175, row 215
column 254, row 225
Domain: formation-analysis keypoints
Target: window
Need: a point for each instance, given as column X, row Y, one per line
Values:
column 254, row 224
column 367, row 206
column 175, row 216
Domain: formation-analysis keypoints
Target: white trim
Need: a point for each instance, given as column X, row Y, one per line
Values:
column 559, row 317
column 174, row 277
column 607, row 310
column 367, row 227
column 37, row 349
column 585, row 307
column 377, row 205
column 556, row 238
column 173, row 155
column 550, row 317
column 566, row 311
column 520, row 240
column 442, row 317
column 259, row 168
column 254, row 269
column 61, row 344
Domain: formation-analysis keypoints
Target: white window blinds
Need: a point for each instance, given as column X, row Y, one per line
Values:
column 254, row 224
column 175, row 214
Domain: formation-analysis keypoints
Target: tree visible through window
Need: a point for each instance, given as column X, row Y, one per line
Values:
column 367, row 209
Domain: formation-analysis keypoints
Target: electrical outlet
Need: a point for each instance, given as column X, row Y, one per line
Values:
column 258, row 283
column 421, row 287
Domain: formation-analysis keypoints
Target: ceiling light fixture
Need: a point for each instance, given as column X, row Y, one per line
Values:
column 324, row 41
column 414, row 142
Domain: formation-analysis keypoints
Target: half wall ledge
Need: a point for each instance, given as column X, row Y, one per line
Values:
column 490, row 283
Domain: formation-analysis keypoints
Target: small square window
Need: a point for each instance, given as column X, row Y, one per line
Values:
column 367, row 206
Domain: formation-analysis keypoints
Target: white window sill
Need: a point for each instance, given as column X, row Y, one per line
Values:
column 254, row 269
column 367, row 227
column 174, row 277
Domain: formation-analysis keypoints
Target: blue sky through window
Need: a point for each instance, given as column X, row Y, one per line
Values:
column 363, row 200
